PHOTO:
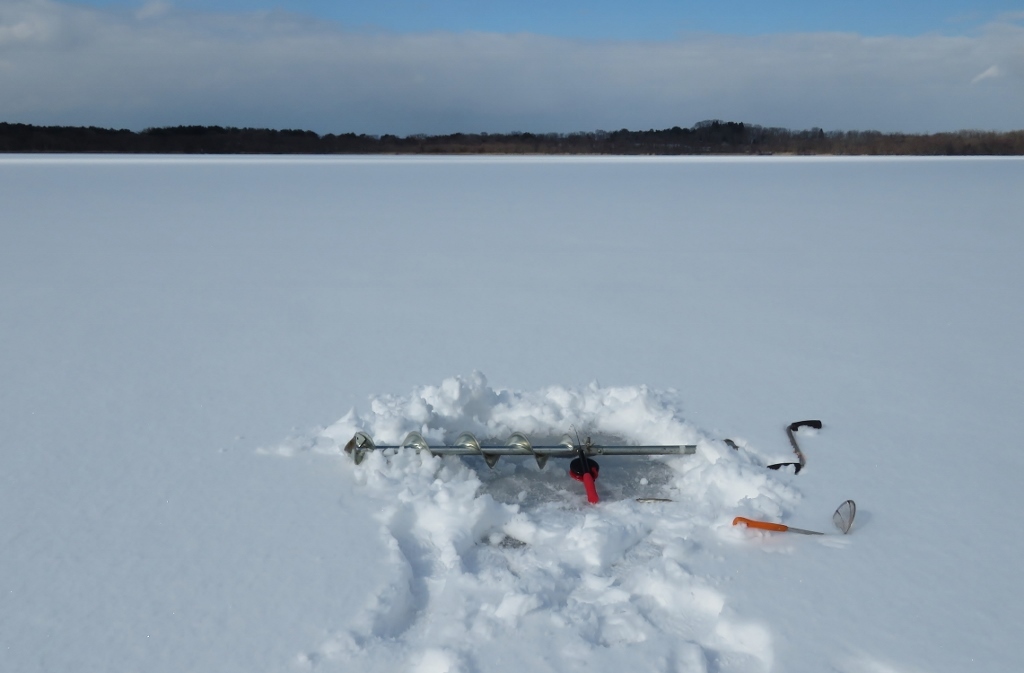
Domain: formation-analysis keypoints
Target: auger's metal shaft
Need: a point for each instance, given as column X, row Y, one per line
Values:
column 552, row 451
column 517, row 445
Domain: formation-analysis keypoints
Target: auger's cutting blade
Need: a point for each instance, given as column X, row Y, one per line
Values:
column 843, row 517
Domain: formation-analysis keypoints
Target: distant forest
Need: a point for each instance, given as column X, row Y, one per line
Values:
column 707, row 137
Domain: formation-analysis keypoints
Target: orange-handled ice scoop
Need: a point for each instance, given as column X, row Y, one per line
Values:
column 767, row 525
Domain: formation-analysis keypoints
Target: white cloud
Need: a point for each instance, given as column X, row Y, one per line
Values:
column 990, row 73
column 1010, row 16
column 163, row 66
column 153, row 9
column 30, row 23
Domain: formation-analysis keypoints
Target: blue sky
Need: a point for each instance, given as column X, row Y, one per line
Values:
column 638, row 20
column 422, row 66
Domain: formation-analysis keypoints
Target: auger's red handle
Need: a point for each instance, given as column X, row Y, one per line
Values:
column 588, row 483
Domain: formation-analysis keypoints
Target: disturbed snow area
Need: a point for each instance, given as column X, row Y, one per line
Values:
column 482, row 561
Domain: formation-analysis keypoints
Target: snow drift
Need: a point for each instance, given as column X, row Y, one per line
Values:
column 482, row 561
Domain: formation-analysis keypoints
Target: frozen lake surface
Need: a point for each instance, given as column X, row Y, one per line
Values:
column 186, row 344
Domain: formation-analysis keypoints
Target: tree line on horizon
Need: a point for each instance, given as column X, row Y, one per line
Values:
column 707, row 137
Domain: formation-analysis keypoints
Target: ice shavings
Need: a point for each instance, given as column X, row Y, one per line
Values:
column 471, row 405
column 486, row 559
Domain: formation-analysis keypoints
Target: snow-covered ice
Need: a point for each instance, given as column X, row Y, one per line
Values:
column 186, row 344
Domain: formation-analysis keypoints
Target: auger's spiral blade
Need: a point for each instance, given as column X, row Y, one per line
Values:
column 469, row 442
column 359, row 445
column 414, row 440
column 520, row 441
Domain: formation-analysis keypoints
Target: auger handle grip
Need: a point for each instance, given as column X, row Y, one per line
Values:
column 588, row 483
column 764, row 525
column 796, row 425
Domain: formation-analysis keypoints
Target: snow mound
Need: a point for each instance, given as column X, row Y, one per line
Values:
column 484, row 561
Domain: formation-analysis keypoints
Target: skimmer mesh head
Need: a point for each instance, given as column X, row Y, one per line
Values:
column 843, row 517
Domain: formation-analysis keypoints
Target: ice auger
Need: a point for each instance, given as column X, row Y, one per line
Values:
column 582, row 468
